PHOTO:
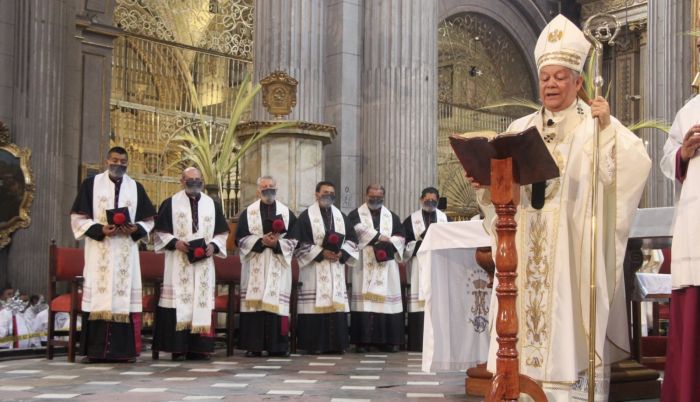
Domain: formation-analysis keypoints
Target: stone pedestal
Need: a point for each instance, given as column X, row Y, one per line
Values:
column 293, row 156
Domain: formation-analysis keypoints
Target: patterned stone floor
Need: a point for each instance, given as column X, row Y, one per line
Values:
column 350, row 377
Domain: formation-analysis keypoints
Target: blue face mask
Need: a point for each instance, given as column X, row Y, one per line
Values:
column 430, row 205
column 268, row 195
column 326, row 200
column 375, row 203
column 117, row 171
column 193, row 187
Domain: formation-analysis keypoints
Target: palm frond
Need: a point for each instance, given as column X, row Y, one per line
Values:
column 693, row 33
column 650, row 123
column 513, row 102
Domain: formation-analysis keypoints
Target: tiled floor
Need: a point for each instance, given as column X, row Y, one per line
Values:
column 350, row 377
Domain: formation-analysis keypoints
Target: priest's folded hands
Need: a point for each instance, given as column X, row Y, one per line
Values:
column 331, row 256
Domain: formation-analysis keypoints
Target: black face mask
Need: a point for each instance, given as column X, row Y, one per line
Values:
column 375, row 203
column 326, row 200
column 117, row 171
column 268, row 195
column 430, row 205
column 193, row 187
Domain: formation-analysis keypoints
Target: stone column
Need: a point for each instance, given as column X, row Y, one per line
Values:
column 343, row 159
column 399, row 99
column 289, row 36
column 669, row 74
column 60, row 111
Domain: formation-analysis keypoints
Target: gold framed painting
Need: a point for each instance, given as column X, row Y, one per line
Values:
column 16, row 187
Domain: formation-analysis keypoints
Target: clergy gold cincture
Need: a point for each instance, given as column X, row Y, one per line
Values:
column 599, row 29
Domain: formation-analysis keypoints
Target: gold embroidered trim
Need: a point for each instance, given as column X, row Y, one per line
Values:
column 181, row 326
column 565, row 57
column 336, row 307
column 201, row 329
column 108, row 316
column 374, row 297
column 254, row 304
column 270, row 308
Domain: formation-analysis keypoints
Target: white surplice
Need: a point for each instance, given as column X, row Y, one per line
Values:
column 416, row 300
column 189, row 287
column 553, row 247
column 685, row 254
column 266, row 278
column 324, row 290
column 112, row 272
column 376, row 286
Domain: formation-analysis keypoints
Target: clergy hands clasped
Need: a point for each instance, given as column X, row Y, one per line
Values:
column 109, row 230
column 691, row 143
column 270, row 240
column 127, row 229
column 601, row 109
column 182, row 246
column 331, row 256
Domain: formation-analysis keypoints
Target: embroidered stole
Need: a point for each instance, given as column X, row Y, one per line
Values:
column 330, row 285
column 375, row 274
column 265, row 286
column 417, row 296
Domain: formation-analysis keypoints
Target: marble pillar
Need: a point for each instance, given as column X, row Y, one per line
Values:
column 344, row 98
column 60, row 111
column 289, row 37
column 399, row 99
column 669, row 73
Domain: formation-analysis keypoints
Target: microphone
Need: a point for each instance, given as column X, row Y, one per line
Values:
column 537, row 200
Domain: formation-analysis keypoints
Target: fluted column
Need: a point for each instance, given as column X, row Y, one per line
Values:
column 669, row 68
column 399, row 99
column 289, row 36
column 38, row 117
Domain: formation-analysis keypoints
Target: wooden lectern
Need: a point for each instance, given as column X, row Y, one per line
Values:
column 515, row 159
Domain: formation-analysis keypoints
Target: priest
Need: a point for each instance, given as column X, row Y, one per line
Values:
column 266, row 276
column 376, row 305
column 680, row 163
column 190, row 230
column 326, row 243
column 112, row 212
column 416, row 226
column 553, row 238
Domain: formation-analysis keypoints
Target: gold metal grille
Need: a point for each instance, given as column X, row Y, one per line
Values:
column 160, row 89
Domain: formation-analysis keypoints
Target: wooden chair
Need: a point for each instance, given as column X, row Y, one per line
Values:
column 228, row 274
column 152, row 270
column 65, row 265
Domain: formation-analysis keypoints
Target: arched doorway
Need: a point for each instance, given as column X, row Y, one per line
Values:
column 479, row 64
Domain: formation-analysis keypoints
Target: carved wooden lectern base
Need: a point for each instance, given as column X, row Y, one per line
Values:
column 508, row 383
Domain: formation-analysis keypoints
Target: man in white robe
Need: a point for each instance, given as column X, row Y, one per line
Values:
column 266, row 272
column 183, row 324
column 377, row 318
column 680, row 163
column 326, row 243
column 553, row 243
column 416, row 226
column 112, row 288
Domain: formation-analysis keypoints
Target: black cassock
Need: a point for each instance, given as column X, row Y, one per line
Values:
column 166, row 338
column 101, row 339
column 369, row 328
column 262, row 330
column 415, row 319
column 328, row 332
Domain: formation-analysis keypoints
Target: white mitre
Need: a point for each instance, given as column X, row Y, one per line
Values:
column 561, row 43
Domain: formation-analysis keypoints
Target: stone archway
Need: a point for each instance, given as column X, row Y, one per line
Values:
column 484, row 57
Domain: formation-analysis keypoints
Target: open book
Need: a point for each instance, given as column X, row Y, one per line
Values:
column 532, row 162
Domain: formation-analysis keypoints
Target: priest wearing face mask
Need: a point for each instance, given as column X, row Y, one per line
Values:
column 190, row 230
column 326, row 243
column 376, row 306
column 112, row 212
column 416, row 226
column 554, row 228
column 266, row 276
